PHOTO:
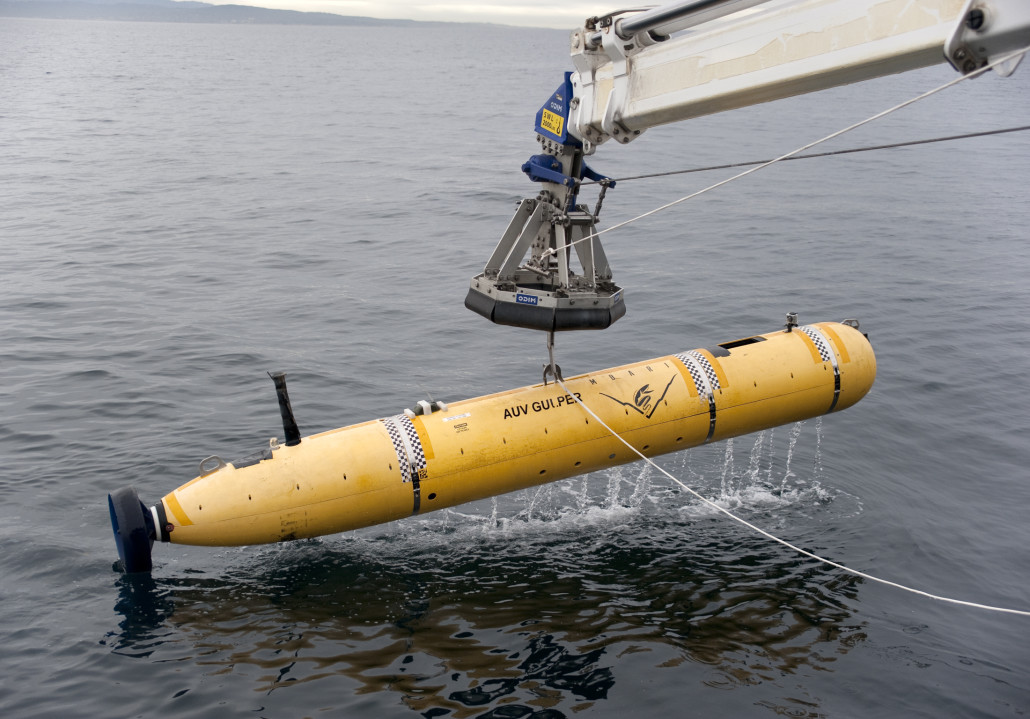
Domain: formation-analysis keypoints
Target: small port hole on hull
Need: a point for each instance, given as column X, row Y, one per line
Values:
column 432, row 495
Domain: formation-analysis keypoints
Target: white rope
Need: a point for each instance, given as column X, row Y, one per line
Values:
column 710, row 503
column 776, row 539
column 838, row 133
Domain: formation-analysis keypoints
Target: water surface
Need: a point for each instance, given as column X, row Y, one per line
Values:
column 189, row 206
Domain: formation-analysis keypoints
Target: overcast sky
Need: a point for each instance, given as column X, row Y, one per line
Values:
column 565, row 14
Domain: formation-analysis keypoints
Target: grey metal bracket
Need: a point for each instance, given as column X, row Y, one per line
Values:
column 989, row 30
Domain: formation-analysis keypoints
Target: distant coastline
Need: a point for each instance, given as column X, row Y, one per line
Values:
column 184, row 12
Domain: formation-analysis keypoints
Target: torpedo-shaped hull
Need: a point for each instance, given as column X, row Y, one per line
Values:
column 404, row 465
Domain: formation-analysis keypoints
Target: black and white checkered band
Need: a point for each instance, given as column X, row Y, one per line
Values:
column 827, row 355
column 820, row 343
column 696, row 363
column 410, row 455
column 705, row 380
column 696, row 373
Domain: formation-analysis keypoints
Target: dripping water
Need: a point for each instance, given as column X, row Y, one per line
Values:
column 795, row 432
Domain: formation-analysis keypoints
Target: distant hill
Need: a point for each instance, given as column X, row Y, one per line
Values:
column 169, row 11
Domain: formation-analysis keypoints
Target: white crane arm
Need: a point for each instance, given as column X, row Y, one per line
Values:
column 631, row 76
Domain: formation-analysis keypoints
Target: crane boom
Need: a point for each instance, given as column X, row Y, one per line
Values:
column 638, row 69
column 630, row 76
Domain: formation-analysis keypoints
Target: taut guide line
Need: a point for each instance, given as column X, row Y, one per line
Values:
column 785, row 543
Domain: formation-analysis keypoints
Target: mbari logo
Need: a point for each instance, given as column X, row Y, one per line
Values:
column 644, row 401
column 525, row 299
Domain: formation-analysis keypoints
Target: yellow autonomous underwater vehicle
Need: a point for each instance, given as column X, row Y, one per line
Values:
column 441, row 455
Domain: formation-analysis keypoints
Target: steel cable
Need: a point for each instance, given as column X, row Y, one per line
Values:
column 831, row 153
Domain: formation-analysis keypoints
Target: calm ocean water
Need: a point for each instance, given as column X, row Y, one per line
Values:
column 188, row 206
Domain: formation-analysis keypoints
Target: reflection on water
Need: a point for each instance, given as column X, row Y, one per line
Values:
column 145, row 606
column 534, row 614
